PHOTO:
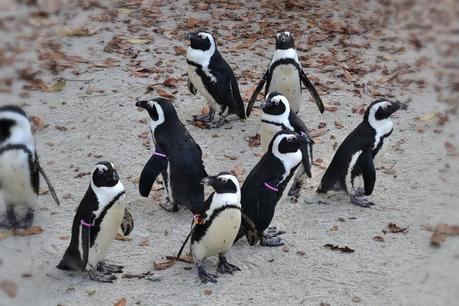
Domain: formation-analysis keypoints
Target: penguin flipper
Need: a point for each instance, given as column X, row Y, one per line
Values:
column 128, row 223
column 267, row 200
column 365, row 163
column 312, row 91
column 191, row 87
column 254, row 96
column 154, row 166
column 306, row 152
column 85, row 243
column 48, row 182
column 70, row 262
column 250, row 230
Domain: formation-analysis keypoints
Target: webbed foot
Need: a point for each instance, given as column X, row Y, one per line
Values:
column 225, row 267
column 206, row 277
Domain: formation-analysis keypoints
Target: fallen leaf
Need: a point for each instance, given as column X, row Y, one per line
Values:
column 170, row 82
column 338, row 125
column 9, row 287
column 5, row 234
column 121, row 302
column 441, row 231
column 144, row 241
column 394, row 228
column 121, row 237
column 37, row 123
column 344, row 249
column 378, row 238
column 158, row 266
column 188, row 258
column 207, row 291
column 232, row 157
column 331, row 109
column 179, row 50
column 317, row 133
column 429, row 116
column 33, row 230
column 138, row 41
column 254, row 141
column 138, row 276
column 301, row 253
column 76, row 32
column 356, row 299
column 285, row 249
column 163, row 93
column 334, row 228
column 91, row 292
column 81, row 174
column 387, row 79
column 67, row 237
column 192, row 22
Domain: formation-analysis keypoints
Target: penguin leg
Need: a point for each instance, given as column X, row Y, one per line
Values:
column 168, row 206
column 27, row 221
column 215, row 124
column 10, row 219
column 205, row 118
column 270, row 241
column 359, row 191
column 101, row 277
column 360, row 201
column 109, row 268
column 204, row 275
column 224, row 266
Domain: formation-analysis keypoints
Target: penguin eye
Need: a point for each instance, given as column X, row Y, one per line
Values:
column 289, row 139
column 276, row 102
column 224, row 180
column 101, row 171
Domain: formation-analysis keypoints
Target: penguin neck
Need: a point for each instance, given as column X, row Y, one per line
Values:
column 382, row 128
column 201, row 57
column 105, row 195
column 222, row 200
column 20, row 135
column 289, row 161
column 278, row 119
column 284, row 54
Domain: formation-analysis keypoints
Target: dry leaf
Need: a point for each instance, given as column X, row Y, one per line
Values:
column 138, row 41
column 76, row 32
column 163, row 93
column 81, row 174
column 179, row 50
column 37, row 123
column 121, row 302
column 144, row 241
column 394, row 228
column 158, row 266
column 5, row 234
column 207, row 291
column 344, row 249
column 67, row 237
column 57, row 86
column 254, row 141
column 188, row 258
column 285, row 249
column 121, row 237
column 170, row 82
column 334, row 228
column 318, row 132
column 33, row 230
column 356, row 299
column 378, row 238
column 9, row 287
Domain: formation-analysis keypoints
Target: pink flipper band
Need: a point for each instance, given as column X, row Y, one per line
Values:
column 82, row 222
column 271, row 187
column 197, row 219
column 160, row 155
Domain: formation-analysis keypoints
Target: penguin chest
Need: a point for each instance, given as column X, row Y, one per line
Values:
column 286, row 80
column 220, row 234
column 267, row 132
column 109, row 226
column 198, row 83
column 15, row 178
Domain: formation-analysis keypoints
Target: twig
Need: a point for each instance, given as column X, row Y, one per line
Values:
column 75, row 80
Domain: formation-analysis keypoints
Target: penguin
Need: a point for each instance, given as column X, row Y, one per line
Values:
column 211, row 76
column 355, row 155
column 286, row 75
column 97, row 220
column 19, row 169
column 177, row 157
column 276, row 116
column 215, row 230
column 265, row 185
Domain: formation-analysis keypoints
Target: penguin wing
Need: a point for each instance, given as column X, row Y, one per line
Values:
column 86, row 239
column 306, row 149
column 266, row 204
column 254, row 96
column 250, row 229
column 365, row 163
column 128, row 223
column 154, row 166
column 191, row 87
column 37, row 169
column 312, row 91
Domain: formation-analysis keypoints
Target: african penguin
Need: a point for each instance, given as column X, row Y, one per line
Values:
column 177, row 157
column 215, row 230
column 276, row 116
column 97, row 220
column 19, row 169
column 355, row 155
column 285, row 75
column 265, row 185
column 211, row 76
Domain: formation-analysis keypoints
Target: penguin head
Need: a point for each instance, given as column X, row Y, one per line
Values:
column 286, row 141
column 13, row 122
column 284, row 41
column 382, row 109
column 275, row 104
column 159, row 109
column 201, row 40
column 224, row 182
column 105, row 175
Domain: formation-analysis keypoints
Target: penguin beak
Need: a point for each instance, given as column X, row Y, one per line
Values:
column 395, row 106
column 209, row 181
column 141, row 104
column 266, row 104
column 190, row 36
column 401, row 106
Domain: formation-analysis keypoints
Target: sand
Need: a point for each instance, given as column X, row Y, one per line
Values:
column 94, row 118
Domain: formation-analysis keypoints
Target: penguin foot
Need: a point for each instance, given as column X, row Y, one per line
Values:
column 361, row 201
column 273, row 232
column 215, row 124
column 206, row 277
column 101, row 276
column 170, row 207
column 225, row 267
column 359, row 192
column 205, row 118
column 27, row 221
column 270, row 241
column 109, row 268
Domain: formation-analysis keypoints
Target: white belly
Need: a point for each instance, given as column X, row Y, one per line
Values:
column 219, row 236
column 15, row 180
column 267, row 132
column 199, row 85
column 286, row 80
column 108, row 229
column 348, row 179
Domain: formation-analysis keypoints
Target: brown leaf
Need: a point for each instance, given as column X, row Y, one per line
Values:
column 33, row 230
column 331, row 109
column 121, row 302
column 394, row 228
column 232, row 157
column 144, row 134
column 334, row 228
column 254, row 141
column 158, row 266
column 186, row 258
column 301, row 253
column 387, row 78
column 163, row 93
column 318, row 132
column 192, row 22
column 170, row 82
column 285, row 249
column 9, row 287
column 344, row 249
column 66, row 237
column 107, row 63
column 237, row 171
column 121, row 237
column 76, row 32
column 207, row 291
column 179, row 50
column 37, row 123
column 378, row 238
column 142, row 72
column 81, row 174
column 356, row 299
column 338, row 125
column 144, row 241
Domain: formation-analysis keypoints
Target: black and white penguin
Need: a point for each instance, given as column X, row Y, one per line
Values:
column 19, row 169
column 211, row 76
column 97, row 220
column 177, row 157
column 355, row 155
column 265, row 185
column 215, row 230
column 285, row 75
column 276, row 116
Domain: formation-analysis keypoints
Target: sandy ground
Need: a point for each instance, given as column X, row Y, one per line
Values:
column 94, row 118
